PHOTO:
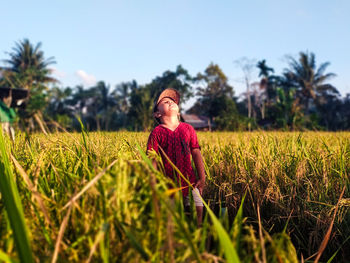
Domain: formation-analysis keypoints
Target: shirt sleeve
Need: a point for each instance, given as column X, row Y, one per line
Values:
column 153, row 142
column 193, row 141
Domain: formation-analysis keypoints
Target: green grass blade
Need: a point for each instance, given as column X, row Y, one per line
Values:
column 5, row 258
column 180, row 223
column 230, row 252
column 133, row 241
column 336, row 252
column 237, row 225
column 13, row 205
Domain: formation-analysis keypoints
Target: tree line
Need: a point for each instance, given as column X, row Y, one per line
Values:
column 301, row 98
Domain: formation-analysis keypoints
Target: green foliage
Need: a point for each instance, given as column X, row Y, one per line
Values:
column 216, row 99
column 179, row 79
column 225, row 114
column 12, row 202
column 141, row 108
column 299, row 99
column 286, row 111
column 28, row 69
column 215, row 83
column 314, row 104
column 307, row 78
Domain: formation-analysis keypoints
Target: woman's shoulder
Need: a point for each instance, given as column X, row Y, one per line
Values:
column 187, row 126
column 157, row 130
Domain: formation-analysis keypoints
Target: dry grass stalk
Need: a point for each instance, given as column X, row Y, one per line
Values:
column 89, row 184
column 60, row 234
column 99, row 237
column 31, row 187
column 328, row 234
column 262, row 241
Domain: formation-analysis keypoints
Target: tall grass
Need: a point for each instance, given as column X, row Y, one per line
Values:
column 14, row 210
column 126, row 213
column 296, row 175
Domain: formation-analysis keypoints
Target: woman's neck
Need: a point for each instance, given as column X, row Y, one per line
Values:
column 170, row 122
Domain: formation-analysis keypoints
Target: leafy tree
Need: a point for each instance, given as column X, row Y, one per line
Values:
column 95, row 106
column 225, row 110
column 216, row 98
column 122, row 93
column 286, row 112
column 179, row 79
column 103, row 104
column 345, row 113
column 59, row 108
column 83, row 103
column 141, row 106
column 329, row 106
column 215, row 83
column 268, row 82
column 27, row 68
column 309, row 81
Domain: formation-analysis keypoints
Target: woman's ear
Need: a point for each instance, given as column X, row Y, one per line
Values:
column 157, row 114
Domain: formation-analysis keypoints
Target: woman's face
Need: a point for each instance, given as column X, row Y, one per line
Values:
column 168, row 107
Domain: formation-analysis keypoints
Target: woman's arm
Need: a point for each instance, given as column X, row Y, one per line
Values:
column 198, row 162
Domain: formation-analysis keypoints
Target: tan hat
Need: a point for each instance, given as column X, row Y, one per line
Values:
column 167, row 93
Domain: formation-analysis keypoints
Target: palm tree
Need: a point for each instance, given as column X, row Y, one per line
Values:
column 59, row 99
column 27, row 68
column 141, row 105
column 27, row 65
column 122, row 94
column 264, row 69
column 309, row 81
column 265, row 85
column 103, row 102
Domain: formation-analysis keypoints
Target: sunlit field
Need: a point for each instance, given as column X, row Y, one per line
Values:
column 95, row 197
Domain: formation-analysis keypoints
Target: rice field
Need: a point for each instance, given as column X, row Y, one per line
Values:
column 95, row 197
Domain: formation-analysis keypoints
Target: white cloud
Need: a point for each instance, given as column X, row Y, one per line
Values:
column 87, row 79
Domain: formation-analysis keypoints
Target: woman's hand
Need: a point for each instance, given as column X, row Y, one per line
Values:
column 200, row 185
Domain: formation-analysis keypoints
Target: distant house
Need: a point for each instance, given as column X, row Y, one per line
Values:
column 18, row 95
column 200, row 123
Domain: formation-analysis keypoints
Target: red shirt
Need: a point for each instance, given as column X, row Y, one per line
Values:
column 177, row 145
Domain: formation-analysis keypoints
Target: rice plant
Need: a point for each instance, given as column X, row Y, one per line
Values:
column 270, row 197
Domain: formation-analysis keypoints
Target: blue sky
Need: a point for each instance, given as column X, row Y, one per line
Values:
column 119, row 41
